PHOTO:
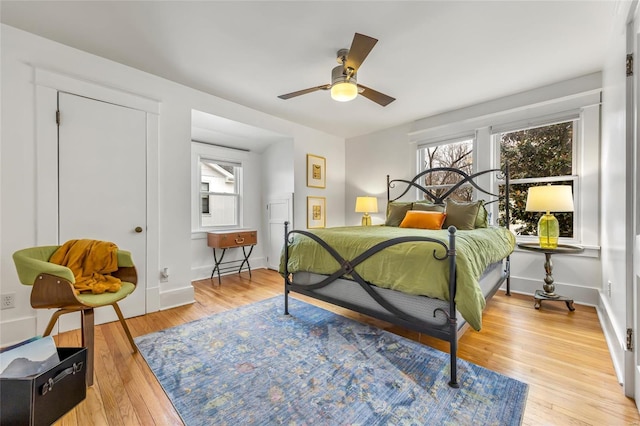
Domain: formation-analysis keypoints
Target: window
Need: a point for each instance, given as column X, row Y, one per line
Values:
column 204, row 188
column 538, row 156
column 456, row 154
column 219, row 193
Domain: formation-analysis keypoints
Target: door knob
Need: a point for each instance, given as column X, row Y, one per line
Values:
column 138, row 229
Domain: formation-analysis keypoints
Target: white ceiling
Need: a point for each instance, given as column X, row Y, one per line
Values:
column 432, row 56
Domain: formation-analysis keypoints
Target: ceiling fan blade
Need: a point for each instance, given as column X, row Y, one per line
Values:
column 359, row 50
column 305, row 91
column 375, row 96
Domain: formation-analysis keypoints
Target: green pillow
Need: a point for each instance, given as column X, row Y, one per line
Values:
column 482, row 219
column 396, row 212
column 426, row 206
column 461, row 215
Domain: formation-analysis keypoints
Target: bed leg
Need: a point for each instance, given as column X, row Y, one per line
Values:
column 508, row 272
column 453, row 353
column 286, row 300
column 286, row 269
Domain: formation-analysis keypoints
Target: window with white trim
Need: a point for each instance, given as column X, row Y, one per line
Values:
column 219, row 193
column 540, row 155
column 217, row 187
column 453, row 153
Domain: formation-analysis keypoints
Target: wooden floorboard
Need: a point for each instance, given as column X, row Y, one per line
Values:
column 562, row 355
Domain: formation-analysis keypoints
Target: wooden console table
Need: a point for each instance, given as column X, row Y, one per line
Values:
column 231, row 239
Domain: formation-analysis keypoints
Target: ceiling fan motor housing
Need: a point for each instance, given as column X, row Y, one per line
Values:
column 338, row 76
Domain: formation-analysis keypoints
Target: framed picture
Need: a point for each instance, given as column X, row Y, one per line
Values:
column 316, row 171
column 316, row 212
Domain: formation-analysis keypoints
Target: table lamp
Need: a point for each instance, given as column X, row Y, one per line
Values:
column 547, row 199
column 366, row 205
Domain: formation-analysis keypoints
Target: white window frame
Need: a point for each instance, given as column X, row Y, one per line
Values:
column 202, row 151
column 422, row 145
column 574, row 178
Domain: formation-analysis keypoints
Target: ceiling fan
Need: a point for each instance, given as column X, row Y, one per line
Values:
column 344, row 85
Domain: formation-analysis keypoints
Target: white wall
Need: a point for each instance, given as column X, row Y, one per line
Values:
column 277, row 169
column 21, row 52
column 334, row 153
column 370, row 159
column 393, row 151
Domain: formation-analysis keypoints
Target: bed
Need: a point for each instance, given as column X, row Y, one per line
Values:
column 430, row 268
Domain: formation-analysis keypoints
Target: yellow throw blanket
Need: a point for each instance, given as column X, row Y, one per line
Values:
column 91, row 262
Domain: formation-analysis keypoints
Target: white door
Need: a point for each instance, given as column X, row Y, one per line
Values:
column 632, row 357
column 634, row 291
column 102, row 185
column 279, row 210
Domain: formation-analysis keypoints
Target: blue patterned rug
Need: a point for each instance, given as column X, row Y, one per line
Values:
column 254, row 365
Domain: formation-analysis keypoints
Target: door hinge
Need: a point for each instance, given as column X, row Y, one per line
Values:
column 629, row 64
column 629, row 339
column 58, row 117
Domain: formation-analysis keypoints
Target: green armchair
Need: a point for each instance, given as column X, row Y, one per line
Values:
column 53, row 289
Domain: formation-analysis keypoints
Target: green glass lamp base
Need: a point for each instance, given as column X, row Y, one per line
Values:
column 548, row 231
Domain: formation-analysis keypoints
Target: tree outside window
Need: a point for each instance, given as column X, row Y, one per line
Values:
column 537, row 156
column 457, row 155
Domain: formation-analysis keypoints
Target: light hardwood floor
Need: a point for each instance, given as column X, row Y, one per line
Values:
column 562, row 356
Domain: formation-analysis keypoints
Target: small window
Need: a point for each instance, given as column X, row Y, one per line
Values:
column 219, row 193
column 538, row 156
column 204, row 203
column 456, row 154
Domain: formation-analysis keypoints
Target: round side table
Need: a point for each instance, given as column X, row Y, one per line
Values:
column 548, row 292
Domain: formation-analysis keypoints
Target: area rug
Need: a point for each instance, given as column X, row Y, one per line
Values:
column 254, row 365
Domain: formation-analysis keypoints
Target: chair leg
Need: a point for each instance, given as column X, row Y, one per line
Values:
column 88, row 341
column 53, row 320
column 125, row 327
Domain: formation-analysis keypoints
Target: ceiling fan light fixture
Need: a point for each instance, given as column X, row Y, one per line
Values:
column 344, row 91
column 343, row 88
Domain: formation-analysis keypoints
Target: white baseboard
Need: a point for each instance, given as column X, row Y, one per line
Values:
column 153, row 299
column 204, row 272
column 17, row 330
column 614, row 343
column 178, row 297
column 582, row 295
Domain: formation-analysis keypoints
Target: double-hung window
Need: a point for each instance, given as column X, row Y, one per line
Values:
column 217, row 186
column 219, row 193
column 451, row 153
column 541, row 155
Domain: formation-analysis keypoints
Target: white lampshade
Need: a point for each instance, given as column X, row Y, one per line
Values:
column 366, row 205
column 344, row 91
column 550, row 198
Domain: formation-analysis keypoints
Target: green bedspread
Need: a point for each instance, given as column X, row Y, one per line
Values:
column 409, row 267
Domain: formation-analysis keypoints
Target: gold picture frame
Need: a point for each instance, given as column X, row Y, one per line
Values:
column 316, row 171
column 316, row 212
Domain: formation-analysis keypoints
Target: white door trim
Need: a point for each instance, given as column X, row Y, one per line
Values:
column 47, row 84
column 88, row 89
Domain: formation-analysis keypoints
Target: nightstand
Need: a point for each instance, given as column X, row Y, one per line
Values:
column 230, row 239
column 548, row 288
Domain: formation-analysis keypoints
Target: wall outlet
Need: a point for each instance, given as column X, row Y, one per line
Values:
column 609, row 288
column 8, row 301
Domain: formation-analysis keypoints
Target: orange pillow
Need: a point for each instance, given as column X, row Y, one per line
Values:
column 423, row 220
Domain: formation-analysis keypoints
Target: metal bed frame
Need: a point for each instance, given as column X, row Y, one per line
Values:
column 393, row 314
